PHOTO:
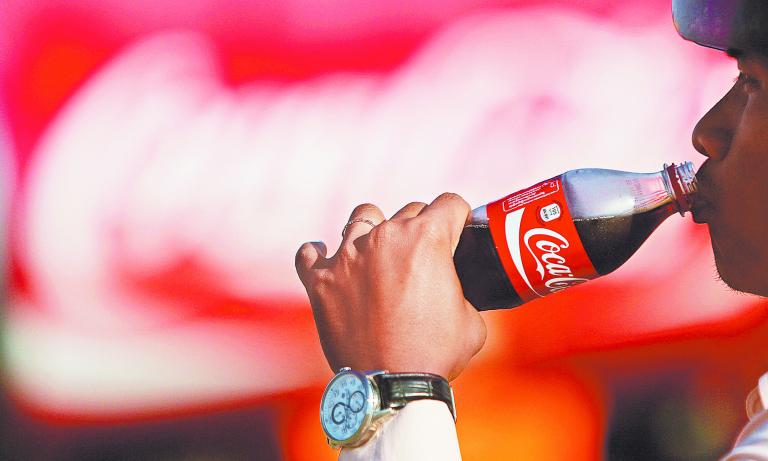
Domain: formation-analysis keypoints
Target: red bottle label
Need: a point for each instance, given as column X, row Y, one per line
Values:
column 537, row 241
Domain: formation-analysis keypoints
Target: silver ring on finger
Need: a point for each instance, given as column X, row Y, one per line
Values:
column 357, row 220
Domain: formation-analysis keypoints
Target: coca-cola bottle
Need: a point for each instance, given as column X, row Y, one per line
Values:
column 564, row 231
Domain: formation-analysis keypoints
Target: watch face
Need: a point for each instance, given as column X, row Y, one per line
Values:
column 345, row 405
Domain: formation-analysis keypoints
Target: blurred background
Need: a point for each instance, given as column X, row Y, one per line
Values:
column 161, row 161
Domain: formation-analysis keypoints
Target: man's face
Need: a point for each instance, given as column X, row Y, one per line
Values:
column 733, row 181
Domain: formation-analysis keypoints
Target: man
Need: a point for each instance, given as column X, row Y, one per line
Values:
column 390, row 299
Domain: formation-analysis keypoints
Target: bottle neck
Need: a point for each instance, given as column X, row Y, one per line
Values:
column 680, row 182
column 597, row 193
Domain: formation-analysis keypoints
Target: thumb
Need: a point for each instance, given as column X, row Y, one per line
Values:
column 477, row 329
column 308, row 256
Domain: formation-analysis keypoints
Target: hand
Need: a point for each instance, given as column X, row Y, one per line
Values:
column 390, row 297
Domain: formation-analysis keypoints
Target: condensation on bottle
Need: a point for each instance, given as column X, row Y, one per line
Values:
column 564, row 231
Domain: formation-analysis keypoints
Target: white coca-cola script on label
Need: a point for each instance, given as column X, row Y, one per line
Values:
column 551, row 266
column 545, row 252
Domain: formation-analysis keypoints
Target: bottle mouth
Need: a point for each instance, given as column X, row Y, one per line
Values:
column 682, row 181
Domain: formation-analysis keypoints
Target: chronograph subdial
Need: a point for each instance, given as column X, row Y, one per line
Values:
column 350, row 410
column 345, row 405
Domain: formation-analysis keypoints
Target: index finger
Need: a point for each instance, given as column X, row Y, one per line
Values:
column 451, row 211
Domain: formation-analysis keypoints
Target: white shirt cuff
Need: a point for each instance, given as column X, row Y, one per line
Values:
column 423, row 430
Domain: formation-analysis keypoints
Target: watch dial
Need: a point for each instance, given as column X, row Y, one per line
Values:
column 344, row 406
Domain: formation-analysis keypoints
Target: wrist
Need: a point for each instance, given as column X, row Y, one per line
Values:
column 355, row 404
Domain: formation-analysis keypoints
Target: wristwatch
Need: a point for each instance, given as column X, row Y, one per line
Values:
column 356, row 403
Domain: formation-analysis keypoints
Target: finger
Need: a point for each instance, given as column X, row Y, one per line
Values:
column 308, row 257
column 450, row 212
column 363, row 218
column 409, row 211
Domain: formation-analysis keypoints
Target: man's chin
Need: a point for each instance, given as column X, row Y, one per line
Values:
column 735, row 273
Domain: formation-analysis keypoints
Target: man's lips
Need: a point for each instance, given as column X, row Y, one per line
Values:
column 702, row 204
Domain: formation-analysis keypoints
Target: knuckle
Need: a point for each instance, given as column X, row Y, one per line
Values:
column 449, row 196
column 415, row 205
column 382, row 233
column 346, row 254
column 385, row 238
column 454, row 198
column 365, row 208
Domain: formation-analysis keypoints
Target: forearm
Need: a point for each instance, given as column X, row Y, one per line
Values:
column 423, row 430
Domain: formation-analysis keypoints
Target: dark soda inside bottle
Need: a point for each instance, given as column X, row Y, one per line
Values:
column 613, row 213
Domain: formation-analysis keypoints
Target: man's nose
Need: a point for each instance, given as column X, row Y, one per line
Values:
column 713, row 134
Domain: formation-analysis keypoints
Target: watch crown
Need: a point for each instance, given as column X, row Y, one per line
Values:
column 343, row 369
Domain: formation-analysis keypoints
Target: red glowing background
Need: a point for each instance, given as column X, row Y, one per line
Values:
column 165, row 159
